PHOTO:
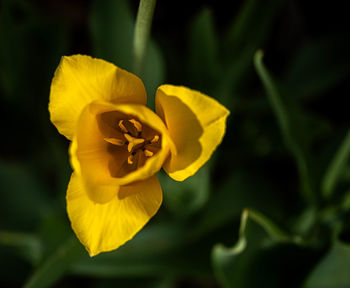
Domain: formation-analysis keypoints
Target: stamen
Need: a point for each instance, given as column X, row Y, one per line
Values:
column 148, row 153
column 130, row 159
column 155, row 139
column 136, row 124
column 133, row 141
column 115, row 141
column 121, row 125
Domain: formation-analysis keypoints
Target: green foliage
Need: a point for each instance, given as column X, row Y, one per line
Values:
column 333, row 269
column 290, row 129
column 112, row 30
column 54, row 266
column 317, row 66
column 227, row 262
column 335, row 169
column 277, row 187
column 205, row 66
column 187, row 197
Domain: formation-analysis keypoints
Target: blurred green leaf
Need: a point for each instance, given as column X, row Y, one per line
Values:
column 227, row 201
column 53, row 238
column 27, row 245
column 225, row 259
column 333, row 270
column 346, row 201
column 249, row 30
column 336, row 167
column 248, row 25
column 112, row 29
column 12, row 38
column 156, row 250
column 153, row 75
column 56, row 265
column 16, row 68
column 289, row 129
column 187, row 197
column 23, row 200
column 317, row 66
column 136, row 282
column 204, row 63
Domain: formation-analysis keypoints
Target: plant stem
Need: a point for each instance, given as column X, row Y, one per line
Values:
column 142, row 33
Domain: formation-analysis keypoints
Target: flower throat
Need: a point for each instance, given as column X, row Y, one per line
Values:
column 139, row 141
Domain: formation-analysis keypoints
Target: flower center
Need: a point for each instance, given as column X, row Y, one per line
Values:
column 139, row 142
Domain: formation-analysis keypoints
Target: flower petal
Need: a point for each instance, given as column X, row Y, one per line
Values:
column 79, row 80
column 196, row 124
column 105, row 227
column 94, row 158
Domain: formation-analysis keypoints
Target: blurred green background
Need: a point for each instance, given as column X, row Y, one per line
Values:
column 285, row 155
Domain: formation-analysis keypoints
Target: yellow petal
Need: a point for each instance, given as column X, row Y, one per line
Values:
column 94, row 159
column 79, row 80
column 196, row 124
column 105, row 227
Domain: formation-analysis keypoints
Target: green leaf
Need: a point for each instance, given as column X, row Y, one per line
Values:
column 148, row 254
column 187, row 197
column 142, row 33
column 333, row 270
column 243, row 24
column 336, row 167
column 26, row 244
column 317, row 67
column 154, row 71
column 112, row 29
column 23, row 200
column 56, row 265
column 288, row 126
column 35, row 33
column 227, row 201
column 226, row 259
column 247, row 33
column 203, row 51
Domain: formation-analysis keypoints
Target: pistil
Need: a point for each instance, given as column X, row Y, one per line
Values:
column 133, row 142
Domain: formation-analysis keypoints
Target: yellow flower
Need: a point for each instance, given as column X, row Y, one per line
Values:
column 118, row 144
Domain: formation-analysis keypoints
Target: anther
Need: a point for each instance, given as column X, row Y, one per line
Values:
column 114, row 141
column 130, row 159
column 155, row 139
column 148, row 153
column 136, row 124
column 121, row 125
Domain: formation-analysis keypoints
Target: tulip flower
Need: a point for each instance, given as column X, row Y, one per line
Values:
column 118, row 145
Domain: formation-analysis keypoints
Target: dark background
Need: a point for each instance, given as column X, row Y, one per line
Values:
column 208, row 46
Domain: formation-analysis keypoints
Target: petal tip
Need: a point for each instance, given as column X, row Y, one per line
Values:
column 196, row 131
